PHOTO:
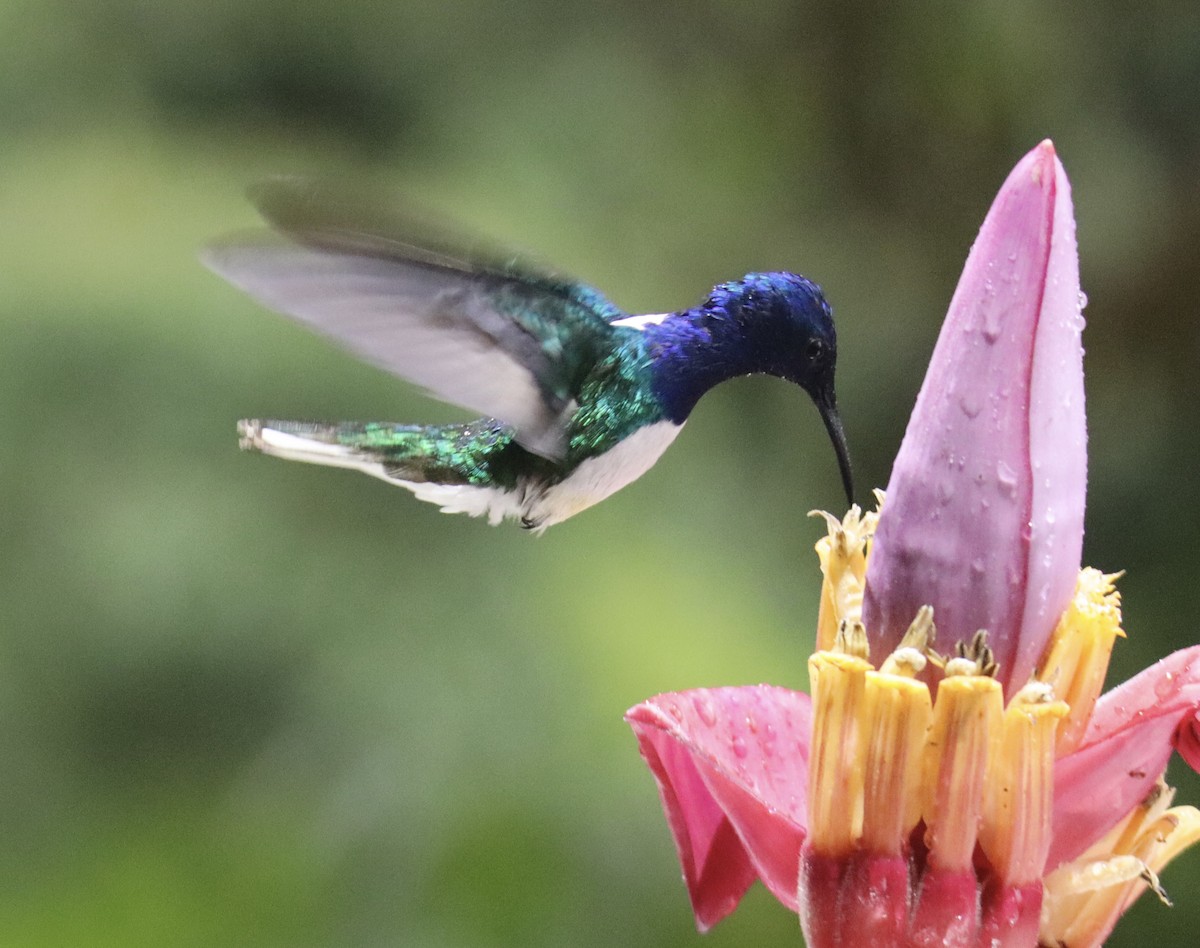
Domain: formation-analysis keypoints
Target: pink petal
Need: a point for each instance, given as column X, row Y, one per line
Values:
column 1125, row 749
column 984, row 511
column 732, row 770
column 1187, row 741
column 716, row 868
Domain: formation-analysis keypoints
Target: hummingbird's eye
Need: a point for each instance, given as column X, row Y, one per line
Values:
column 814, row 350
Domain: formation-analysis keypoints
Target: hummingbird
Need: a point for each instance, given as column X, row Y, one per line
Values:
column 580, row 397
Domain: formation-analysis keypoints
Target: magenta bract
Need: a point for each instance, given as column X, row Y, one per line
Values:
column 984, row 512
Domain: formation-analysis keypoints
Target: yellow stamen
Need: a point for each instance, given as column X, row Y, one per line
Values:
column 921, row 631
column 1019, row 804
column 897, row 718
column 911, row 655
column 852, row 639
column 966, row 718
column 1123, row 838
column 843, row 555
column 1084, row 898
column 835, row 771
column 1077, row 658
column 1178, row 829
column 973, row 658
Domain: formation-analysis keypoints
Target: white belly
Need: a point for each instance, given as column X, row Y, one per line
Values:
column 597, row 478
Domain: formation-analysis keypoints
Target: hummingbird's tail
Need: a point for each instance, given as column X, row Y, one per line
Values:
column 469, row 468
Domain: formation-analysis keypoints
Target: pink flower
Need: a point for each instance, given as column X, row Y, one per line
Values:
column 991, row 797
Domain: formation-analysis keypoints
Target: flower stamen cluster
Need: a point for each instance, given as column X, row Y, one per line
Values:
column 950, row 798
column 915, row 789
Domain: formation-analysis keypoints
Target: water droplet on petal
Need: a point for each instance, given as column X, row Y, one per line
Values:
column 1164, row 687
column 704, row 708
column 1006, row 478
column 739, row 747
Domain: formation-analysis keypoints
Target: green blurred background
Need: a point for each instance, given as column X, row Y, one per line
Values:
column 244, row 702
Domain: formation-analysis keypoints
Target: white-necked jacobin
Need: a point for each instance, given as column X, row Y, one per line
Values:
column 581, row 397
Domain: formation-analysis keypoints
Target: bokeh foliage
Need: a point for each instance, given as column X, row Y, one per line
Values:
column 246, row 702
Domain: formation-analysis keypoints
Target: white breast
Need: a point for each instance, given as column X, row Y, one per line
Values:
column 597, row 478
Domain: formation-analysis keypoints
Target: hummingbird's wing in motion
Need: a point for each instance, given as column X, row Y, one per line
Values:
column 489, row 335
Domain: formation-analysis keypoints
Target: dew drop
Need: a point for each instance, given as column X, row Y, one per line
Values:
column 739, row 747
column 971, row 404
column 1083, row 300
column 1006, row 478
column 705, row 709
column 1165, row 686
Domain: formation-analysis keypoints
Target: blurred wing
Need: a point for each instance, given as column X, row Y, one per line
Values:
column 501, row 340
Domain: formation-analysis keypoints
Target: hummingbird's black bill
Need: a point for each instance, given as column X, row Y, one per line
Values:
column 827, row 406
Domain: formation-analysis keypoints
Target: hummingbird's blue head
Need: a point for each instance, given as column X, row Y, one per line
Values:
column 774, row 323
column 784, row 326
